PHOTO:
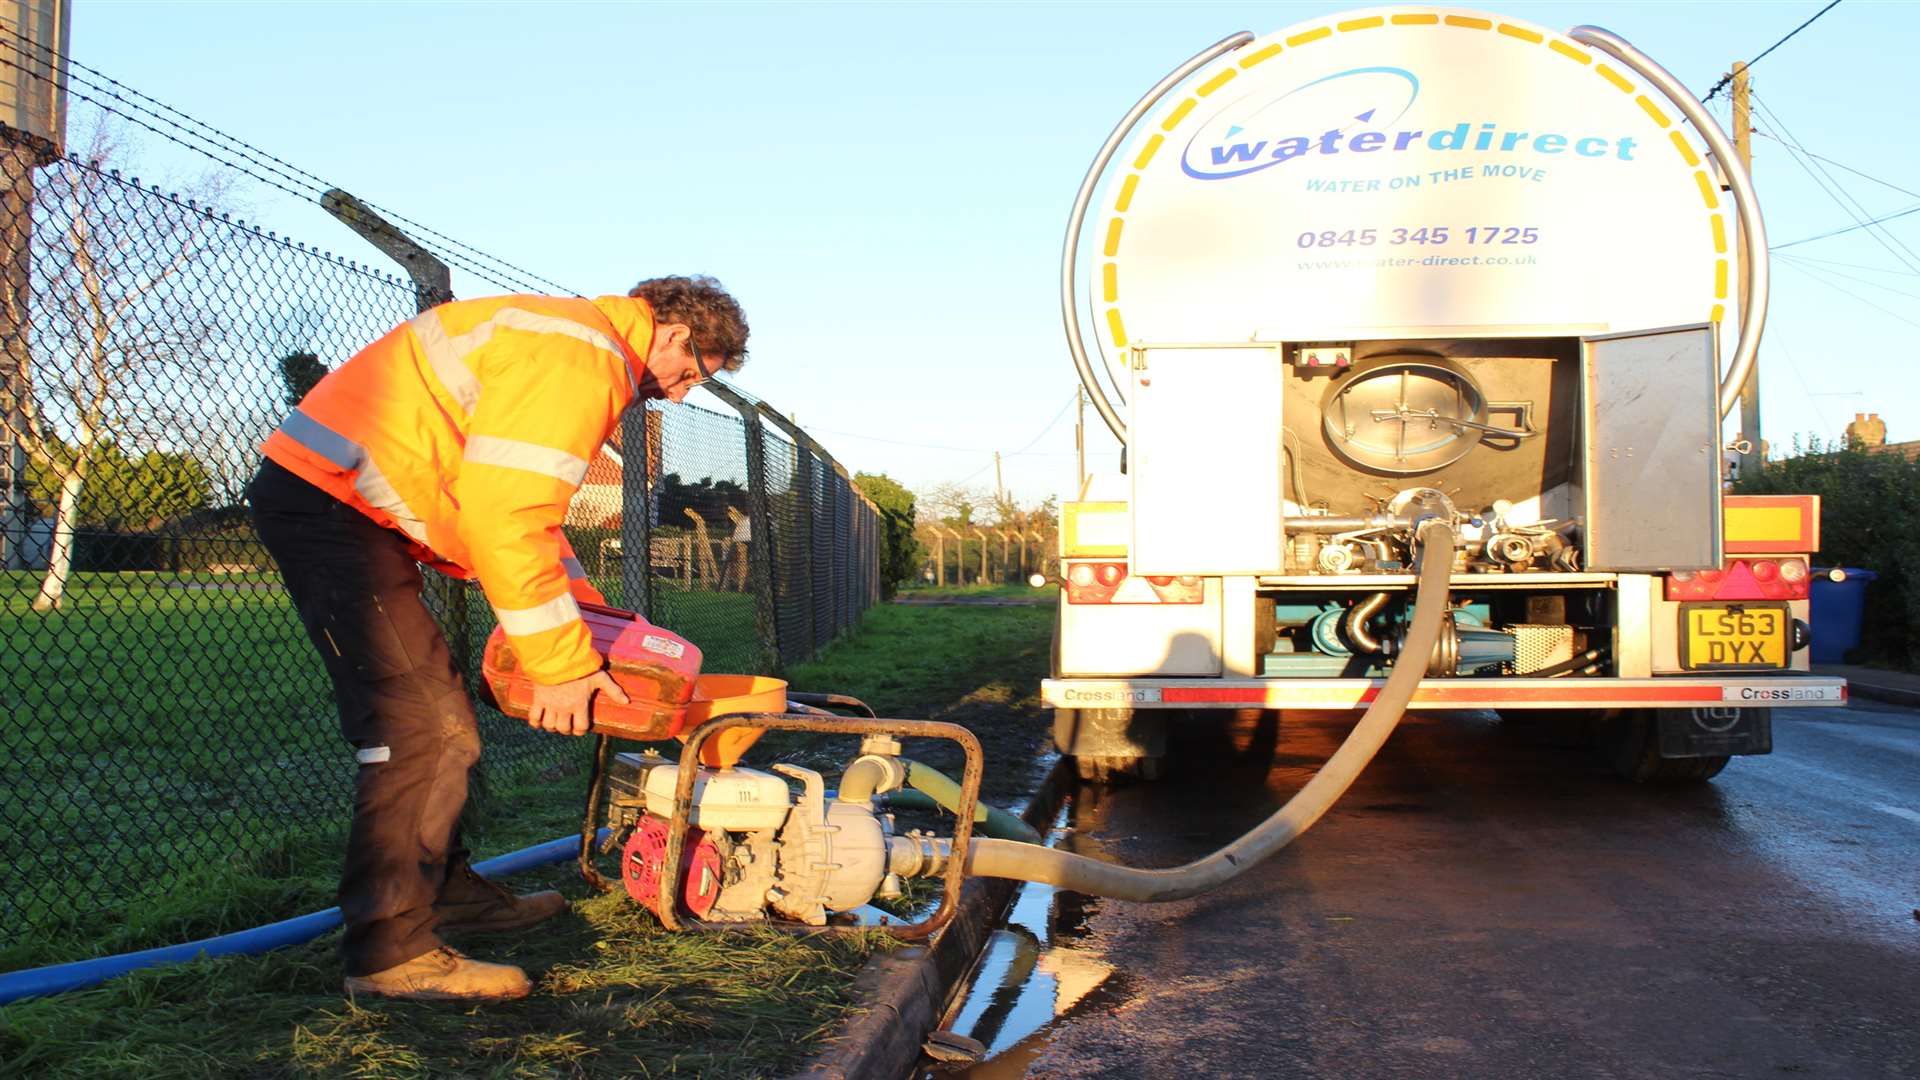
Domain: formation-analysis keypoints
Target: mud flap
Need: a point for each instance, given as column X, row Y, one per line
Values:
column 1124, row 733
column 1714, row 731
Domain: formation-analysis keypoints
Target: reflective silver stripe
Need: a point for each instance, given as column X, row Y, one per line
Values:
column 556, row 612
column 368, row 480
column 574, row 569
column 373, row 486
column 447, row 354
column 522, row 319
column 322, row 440
column 531, row 457
column 446, row 360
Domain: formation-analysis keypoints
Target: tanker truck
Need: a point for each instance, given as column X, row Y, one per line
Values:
column 1416, row 265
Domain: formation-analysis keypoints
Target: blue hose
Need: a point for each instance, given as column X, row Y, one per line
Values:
column 58, row 978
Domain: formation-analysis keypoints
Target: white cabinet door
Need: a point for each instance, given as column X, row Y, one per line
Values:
column 1204, row 454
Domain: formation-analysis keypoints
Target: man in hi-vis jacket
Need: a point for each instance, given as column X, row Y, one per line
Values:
column 458, row 440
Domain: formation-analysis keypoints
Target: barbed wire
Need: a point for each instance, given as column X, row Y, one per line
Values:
column 306, row 185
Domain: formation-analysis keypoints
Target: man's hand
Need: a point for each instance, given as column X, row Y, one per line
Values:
column 563, row 707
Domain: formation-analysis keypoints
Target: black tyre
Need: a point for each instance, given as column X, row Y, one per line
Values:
column 1631, row 745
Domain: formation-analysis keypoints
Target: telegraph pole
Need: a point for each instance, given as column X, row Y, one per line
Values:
column 1755, row 457
column 1080, row 437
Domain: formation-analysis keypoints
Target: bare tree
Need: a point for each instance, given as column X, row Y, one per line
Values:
column 116, row 340
column 951, row 503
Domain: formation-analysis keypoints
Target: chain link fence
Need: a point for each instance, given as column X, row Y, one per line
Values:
column 162, row 714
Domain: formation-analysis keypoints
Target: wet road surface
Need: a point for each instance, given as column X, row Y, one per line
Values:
column 1484, row 903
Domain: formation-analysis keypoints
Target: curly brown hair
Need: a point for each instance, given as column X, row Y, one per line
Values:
column 719, row 326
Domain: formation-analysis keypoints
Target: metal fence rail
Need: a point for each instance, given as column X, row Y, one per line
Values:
column 162, row 715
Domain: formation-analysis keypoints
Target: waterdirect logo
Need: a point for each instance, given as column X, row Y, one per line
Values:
column 1358, row 112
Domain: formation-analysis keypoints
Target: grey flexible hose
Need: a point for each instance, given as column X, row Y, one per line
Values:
column 1025, row 862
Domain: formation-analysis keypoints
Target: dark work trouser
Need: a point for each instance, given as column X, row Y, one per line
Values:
column 403, row 707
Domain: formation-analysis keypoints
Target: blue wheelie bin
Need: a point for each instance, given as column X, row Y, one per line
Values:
column 1836, row 608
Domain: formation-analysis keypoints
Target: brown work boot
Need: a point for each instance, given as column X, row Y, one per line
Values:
column 444, row 974
column 470, row 904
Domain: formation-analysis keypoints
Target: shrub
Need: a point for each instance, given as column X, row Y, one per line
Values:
column 1868, row 503
column 900, row 554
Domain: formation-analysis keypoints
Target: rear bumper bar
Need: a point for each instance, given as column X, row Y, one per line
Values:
column 1666, row 692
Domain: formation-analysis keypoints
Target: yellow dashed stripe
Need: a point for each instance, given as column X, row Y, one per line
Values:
column 1263, row 55
column 1522, row 33
column 1719, row 313
column 1571, row 53
column 1719, row 234
column 1113, row 236
column 1614, row 77
column 1469, row 23
column 1647, row 106
column 1126, row 192
column 1416, row 20
column 1147, row 152
column 1178, row 114
column 1686, row 151
column 1720, row 279
column 1226, row 76
column 1117, row 328
column 1707, row 193
column 1298, row 40
column 1361, row 24
column 1110, row 282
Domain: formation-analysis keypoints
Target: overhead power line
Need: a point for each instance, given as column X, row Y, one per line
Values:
column 1853, row 265
column 1889, row 312
column 1838, row 193
column 1728, row 77
column 1030, row 443
column 1850, row 228
column 1827, row 269
column 1838, row 165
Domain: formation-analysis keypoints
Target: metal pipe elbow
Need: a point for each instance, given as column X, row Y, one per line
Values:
column 1356, row 624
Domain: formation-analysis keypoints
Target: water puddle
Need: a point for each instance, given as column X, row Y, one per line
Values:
column 1037, row 968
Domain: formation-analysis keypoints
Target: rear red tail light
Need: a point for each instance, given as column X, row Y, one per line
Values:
column 1099, row 582
column 1742, row 579
column 1094, row 582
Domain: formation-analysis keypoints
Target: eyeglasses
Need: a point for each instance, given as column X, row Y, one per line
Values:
column 699, row 373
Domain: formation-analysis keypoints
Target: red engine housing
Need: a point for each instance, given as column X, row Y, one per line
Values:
column 645, row 858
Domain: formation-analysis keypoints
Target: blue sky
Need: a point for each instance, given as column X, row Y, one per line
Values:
column 885, row 186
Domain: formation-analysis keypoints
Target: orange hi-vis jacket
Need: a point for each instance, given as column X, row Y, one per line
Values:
column 469, row 428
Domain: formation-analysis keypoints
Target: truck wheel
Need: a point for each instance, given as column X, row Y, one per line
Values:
column 1631, row 745
column 1112, row 745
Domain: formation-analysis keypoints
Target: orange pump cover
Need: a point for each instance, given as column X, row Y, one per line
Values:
column 657, row 668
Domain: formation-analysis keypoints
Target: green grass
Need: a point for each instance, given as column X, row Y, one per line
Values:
column 168, row 742
column 1010, row 591
column 908, row 658
column 615, row 995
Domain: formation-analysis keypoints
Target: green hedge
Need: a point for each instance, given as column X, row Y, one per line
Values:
column 1869, row 503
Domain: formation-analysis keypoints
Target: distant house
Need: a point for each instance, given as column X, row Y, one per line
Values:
column 597, row 504
column 1869, row 433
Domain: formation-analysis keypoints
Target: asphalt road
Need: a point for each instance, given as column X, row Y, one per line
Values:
column 1486, row 903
